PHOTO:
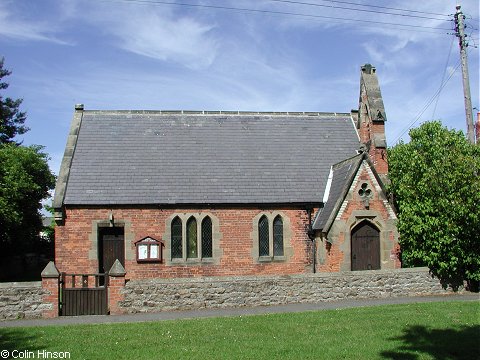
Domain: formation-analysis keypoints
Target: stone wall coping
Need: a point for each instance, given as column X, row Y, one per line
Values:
column 19, row 285
column 257, row 278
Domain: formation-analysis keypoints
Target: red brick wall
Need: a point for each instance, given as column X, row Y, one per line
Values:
column 73, row 243
column 334, row 256
column 378, row 156
column 50, row 285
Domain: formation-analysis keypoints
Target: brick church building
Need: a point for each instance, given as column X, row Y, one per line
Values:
column 174, row 194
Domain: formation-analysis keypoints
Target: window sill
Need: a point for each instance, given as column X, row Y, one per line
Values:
column 264, row 259
column 143, row 261
column 191, row 261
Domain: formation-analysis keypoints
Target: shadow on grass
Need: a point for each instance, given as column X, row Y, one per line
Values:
column 17, row 340
column 440, row 344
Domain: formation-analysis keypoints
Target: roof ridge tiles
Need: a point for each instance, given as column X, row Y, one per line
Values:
column 217, row 112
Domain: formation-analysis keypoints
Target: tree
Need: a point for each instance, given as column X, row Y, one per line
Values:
column 435, row 182
column 25, row 180
column 11, row 118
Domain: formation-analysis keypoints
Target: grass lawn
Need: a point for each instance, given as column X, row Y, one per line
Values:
column 446, row 330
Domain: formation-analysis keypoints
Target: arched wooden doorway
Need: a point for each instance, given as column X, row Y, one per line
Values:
column 365, row 254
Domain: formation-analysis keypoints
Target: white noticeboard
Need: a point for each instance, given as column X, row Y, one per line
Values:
column 154, row 251
column 142, row 252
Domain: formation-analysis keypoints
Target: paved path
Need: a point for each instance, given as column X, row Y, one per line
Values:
column 204, row 313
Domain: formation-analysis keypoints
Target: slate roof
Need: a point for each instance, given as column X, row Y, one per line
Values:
column 343, row 174
column 155, row 157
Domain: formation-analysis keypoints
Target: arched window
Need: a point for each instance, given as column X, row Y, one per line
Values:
column 263, row 237
column 207, row 237
column 192, row 243
column 193, row 238
column 278, row 236
column 177, row 238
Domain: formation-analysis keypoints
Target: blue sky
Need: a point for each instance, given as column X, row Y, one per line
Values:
column 146, row 55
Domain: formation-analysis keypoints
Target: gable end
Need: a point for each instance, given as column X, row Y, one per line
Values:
column 62, row 180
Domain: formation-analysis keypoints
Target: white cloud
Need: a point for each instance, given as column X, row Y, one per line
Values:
column 184, row 40
column 225, row 60
column 13, row 26
column 156, row 32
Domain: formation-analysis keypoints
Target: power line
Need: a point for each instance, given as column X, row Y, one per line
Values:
column 428, row 103
column 273, row 12
column 362, row 10
column 443, row 76
column 384, row 7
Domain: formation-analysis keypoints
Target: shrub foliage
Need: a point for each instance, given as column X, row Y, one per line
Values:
column 435, row 183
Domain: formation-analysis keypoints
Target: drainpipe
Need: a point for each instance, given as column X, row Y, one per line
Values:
column 311, row 236
column 314, row 256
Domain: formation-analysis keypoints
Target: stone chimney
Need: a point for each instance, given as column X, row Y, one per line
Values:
column 371, row 119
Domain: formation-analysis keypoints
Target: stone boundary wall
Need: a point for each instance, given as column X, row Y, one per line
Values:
column 22, row 300
column 156, row 295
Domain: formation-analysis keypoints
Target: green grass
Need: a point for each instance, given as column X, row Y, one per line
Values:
column 446, row 330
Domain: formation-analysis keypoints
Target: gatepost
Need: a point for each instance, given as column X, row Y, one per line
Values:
column 116, row 283
column 50, row 277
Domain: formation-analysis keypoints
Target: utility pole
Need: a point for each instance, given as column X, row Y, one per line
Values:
column 459, row 32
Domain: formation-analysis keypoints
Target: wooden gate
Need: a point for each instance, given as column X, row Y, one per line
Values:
column 83, row 294
column 365, row 247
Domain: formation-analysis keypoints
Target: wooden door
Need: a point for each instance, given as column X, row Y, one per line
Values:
column 111, row 247
column 365, row 253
